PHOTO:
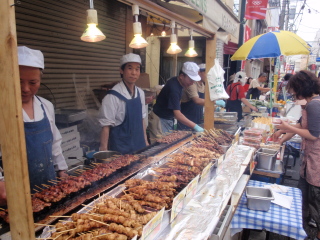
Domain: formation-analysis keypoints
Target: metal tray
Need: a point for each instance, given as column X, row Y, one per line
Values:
column 259, row 198
column 69, row 115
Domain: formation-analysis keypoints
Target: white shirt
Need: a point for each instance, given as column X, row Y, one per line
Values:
column 58, row 159
column 112, row 110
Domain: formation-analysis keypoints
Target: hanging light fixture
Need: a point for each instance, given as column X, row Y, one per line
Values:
column 92, row 33
column 191, row 52
column 138, row 41
column 174, row 48
column 163, row 33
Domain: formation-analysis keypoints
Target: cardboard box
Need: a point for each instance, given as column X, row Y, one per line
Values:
column 68, row 130
column 67, row 149
column 70, row 138
column 246, row 109
column 143, row 81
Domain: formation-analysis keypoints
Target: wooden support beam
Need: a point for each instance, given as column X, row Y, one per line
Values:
column 208, row 104
column 12, row 137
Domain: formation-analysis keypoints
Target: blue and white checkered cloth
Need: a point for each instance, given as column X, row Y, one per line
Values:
column 296, row 145
column 280, row 220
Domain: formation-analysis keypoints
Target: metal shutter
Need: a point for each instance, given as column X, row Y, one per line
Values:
column 55, row 27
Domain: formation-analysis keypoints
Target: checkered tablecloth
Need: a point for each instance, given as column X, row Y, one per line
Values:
column 296, row 145
column 283, row 221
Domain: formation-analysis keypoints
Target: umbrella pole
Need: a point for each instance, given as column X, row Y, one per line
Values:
column 270, row 86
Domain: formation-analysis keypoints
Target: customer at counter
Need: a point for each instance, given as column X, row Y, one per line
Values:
column 192, row 100
column 123, row 110
column 167, row 105
column 43, row 139
column 257, row 87
column 305, row 85
column 236, row 93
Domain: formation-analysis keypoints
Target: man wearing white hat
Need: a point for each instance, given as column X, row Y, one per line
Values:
column 122, row 111
column 43, row 139
column 167, row 106
column 192, row 100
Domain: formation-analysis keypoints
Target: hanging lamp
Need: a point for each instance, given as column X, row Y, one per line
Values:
column 163, row 33
column 138, row 41
column 174, row 48
column 191, row 52
column 92, row 33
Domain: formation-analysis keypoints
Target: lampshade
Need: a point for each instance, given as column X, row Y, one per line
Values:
column 174, row 48
column 92, row 33
column 191, row 52
column 138, row 41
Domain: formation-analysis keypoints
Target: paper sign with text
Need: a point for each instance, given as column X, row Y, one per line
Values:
column 178, row 204
column 152, row 228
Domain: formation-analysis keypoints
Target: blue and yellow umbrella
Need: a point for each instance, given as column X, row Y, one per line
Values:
column 272, row 44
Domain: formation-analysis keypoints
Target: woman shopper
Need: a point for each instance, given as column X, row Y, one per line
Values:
column 305, row 85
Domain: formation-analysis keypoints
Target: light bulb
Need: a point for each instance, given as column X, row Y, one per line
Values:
column 174, row 48
column 138, row 41
column 92, row 34
column 163, row 33
column 191, row 52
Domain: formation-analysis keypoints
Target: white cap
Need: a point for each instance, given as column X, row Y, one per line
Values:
column 240, row 77
column 131, row 57
column 202, row 66
column 191, row 69
column 30, row 57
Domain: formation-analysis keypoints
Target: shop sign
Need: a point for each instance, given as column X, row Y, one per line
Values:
column 256, row 9
column 153, row 227
column 213, row 11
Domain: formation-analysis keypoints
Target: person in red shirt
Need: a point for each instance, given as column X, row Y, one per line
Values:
column 237, row 95
column 247, row 84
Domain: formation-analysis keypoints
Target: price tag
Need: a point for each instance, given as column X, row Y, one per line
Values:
column 191, row 189
column 152, row 228
column 236, row 137
column 178, row 204
column 205, row 174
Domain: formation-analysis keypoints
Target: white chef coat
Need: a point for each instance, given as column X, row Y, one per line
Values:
column 58, row 159
column 112, row 110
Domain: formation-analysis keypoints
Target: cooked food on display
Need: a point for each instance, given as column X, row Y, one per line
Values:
column 173, row 136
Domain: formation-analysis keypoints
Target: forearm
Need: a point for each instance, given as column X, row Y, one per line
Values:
column 198, row 101
column 182, row 119
column 301, row 132
column 286, row 137
column 145, row 132
column 247, row 103
column 104, row 138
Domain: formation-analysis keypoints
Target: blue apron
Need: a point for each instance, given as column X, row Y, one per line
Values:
column 39, row 151
column 128, row 137
column 192, row 111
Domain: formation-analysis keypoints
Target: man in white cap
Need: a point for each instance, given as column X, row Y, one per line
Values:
column 167, row 106
column 43, row 139
column 192, row 100
column 236, row 93
column 122, row 111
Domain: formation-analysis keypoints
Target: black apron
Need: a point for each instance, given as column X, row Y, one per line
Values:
column 234, row 105
column 39, row 151
column 128, row 137
column 192, row 111
column 254, row 92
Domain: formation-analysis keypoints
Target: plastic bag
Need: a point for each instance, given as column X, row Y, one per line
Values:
column 215, row 79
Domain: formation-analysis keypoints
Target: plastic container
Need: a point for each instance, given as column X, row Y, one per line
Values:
column 266, row 158
column 259, row 198
column 256, row 140
column 250, row 144
column 252, row 133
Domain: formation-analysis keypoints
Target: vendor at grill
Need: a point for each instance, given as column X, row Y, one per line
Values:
column 192, row 100
column 236, row 93
column 167, row 105
column 256, row 87
column 123, row 110
column 43, row 139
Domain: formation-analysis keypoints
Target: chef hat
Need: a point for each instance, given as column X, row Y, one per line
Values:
column 131, row 57
column 30, row 57
column 240, row 77
column 191, row 69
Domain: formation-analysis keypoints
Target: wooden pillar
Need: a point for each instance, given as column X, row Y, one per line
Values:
column 208, row 104
column 12, row 137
